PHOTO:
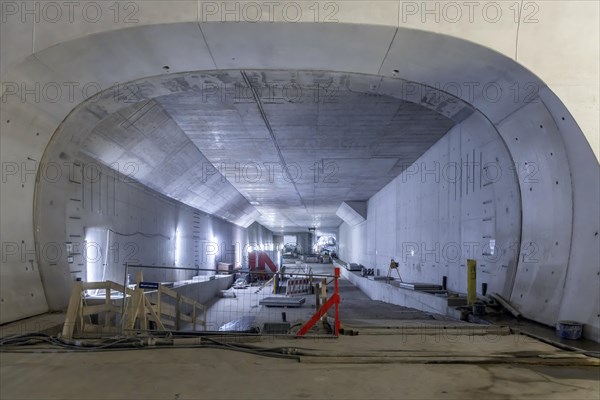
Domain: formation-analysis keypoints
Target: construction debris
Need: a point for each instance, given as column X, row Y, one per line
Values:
column 282, row 301
column 506, row 304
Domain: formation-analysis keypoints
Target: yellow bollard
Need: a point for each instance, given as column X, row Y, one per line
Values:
column 471, row 281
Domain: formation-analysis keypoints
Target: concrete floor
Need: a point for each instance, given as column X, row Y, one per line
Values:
column 221, row 374
column 399, row 353
column 246, row 303
column 356, row 309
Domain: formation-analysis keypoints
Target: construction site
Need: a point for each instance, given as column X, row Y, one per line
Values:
column 325, row 200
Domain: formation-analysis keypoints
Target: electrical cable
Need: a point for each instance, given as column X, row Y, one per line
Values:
column 21, row 343
column 29, row 344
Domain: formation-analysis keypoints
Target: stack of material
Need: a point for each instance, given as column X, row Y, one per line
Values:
column 282, row 301
column 420, row 286
column 354, row 267
column 225, row 268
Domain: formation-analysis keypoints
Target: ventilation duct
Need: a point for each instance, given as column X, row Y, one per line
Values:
column 352, row 212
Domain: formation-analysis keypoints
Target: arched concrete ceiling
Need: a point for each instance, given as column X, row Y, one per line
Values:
column 223, row 141
column 534, row 124
column 568, row 64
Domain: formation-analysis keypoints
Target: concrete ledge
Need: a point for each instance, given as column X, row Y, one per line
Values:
column 387, row 293
column 203, row 291
column 49, row 323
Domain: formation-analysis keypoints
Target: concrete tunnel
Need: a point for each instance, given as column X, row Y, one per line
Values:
column 408, row 139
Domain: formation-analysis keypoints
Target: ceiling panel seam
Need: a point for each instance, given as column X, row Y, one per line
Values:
column 271, row 133
column 387, row 52
column 206, row 43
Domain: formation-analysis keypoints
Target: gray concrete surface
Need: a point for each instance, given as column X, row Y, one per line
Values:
column 221, row 374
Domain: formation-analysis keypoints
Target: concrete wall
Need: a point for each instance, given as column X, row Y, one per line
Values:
column 259, row 235
column 352, row 245
column 467, row 198
column 204, row 291
column 93, row 220
column 458, row 197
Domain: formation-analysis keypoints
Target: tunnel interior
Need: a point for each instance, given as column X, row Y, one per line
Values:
column 387, row 155
column 282, row 151
column 299, row 199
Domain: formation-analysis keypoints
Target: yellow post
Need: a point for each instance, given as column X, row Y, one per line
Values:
column 275, row 278
column 471, row 281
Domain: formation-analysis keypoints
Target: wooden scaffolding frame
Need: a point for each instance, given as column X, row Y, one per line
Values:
column 137, row 310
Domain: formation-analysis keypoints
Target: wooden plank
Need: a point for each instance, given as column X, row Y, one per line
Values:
column 108, row 314
column 168, row 310
column 194, row 318
column 72, row 310
column 119, row 288
column 169, row 292
column 133, row 309
column 178, row 312
column 189, row 301
column 143, row 316
column 158, row 299
column 142, row 313
column 139, row 277
column 80, row 313
column 185, row 317
column 155, row 317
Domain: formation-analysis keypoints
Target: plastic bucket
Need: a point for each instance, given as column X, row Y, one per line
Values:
column 569, row 329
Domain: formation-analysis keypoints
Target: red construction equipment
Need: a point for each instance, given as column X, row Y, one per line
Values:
column 257, row 263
